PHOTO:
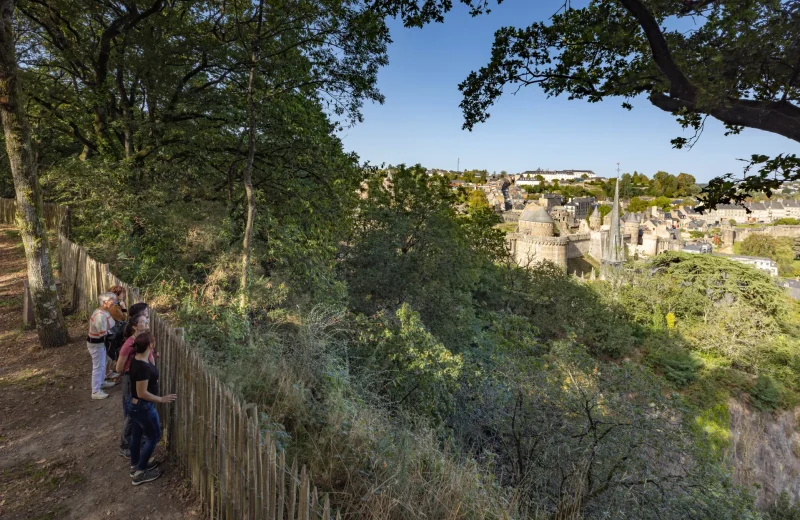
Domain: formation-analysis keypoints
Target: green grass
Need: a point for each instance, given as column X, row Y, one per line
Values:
column 507, row 227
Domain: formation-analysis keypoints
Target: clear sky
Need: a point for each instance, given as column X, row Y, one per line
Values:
column 421, row 120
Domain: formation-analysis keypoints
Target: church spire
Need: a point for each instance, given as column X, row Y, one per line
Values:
column 614, row 254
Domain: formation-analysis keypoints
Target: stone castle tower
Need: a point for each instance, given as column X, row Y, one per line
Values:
column 631, row 227
column 534, row 241
column 595, row 219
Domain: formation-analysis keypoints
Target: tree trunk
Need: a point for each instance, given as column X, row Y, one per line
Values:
column 248, row 170
column 30, row 214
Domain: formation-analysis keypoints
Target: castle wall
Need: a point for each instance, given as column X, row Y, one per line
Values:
column 597, row 244
column 579, row 245
column 529, row 250
column 774, row 231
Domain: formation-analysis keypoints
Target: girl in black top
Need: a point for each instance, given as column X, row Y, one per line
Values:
column 142, row 410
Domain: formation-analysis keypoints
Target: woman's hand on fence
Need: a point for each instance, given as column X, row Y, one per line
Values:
column 168, row 398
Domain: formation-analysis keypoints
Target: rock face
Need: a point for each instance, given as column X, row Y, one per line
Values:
column 764, row 450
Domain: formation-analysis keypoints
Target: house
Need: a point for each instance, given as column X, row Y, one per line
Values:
column 759, row 262
column 792, row 208
column 792, row 287
column 698, row 248
column 582, row 206
column 550, row 200
column 726, row 212
column 555, row 175
column 696, row 225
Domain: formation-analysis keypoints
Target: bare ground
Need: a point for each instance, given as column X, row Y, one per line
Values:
column 59, row 450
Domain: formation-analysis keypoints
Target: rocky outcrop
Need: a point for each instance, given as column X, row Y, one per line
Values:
column 764, row 450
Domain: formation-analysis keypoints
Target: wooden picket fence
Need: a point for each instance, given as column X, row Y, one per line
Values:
column 56, row 217
column 235, row 468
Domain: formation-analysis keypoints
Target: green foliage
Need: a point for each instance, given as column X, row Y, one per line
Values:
column 637, row 205
column 787, row 221
column 678, row 365
column 766, row 393
column 662, row 202
column 778, row 249
column 714, row 424
column 604, row 210
column 408, row 365
column 409, row 247
column 783, row 509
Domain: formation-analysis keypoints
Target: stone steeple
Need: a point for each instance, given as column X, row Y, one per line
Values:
column 614, row 253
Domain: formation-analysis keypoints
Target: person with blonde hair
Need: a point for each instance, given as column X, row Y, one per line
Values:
column 99, row 324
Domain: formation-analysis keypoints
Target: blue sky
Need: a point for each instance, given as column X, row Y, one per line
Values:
column 421, row 121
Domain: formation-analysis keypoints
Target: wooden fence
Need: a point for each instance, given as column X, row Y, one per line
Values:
column 56, row 217
column 215, row 438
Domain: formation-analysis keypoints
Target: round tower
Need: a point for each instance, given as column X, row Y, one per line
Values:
column 595, row 219
column 535, row 221
column 631, row 227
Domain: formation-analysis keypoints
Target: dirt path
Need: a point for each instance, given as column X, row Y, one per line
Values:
column 59, row 450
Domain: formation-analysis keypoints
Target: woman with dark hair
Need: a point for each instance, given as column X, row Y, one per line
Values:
column 142, row 409
column 135, row 310
column 138, row 324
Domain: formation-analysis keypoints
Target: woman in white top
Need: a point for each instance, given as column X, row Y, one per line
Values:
column 99, row 325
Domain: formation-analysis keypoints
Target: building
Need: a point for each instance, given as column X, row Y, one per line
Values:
column 534, row 242
column 554, row 175
column 792, row 288
column 582, row 206
column 759, row 262
column 698, row 248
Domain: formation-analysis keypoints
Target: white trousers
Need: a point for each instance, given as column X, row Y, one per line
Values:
column 98, row 353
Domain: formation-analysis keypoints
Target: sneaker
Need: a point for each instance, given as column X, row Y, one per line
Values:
column 113, row 375
column 99, row 395
column 140, row 477
column 108, row 384
column 151, row 465
column 125, row 452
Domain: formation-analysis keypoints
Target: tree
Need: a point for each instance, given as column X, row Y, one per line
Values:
column 30, row 213
column 686, row 185
column 759, row 245
column 604, row 210
column 251, row 153
column 739, row 66
column 626, row 186
column 410, row 247
column 637, row 205
column 779, row 250
column 664, row 203
column 664, row 184
column 787, row 221
column 477, row 200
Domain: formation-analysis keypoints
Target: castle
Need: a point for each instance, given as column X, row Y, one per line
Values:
column 547, row 232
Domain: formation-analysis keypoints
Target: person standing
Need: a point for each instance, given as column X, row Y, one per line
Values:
column 137, row 324
column 99, row 325
column 118, row 310
column 142, row 410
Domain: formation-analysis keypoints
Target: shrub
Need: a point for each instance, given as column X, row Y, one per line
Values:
column 766, row 393
column 678, row 365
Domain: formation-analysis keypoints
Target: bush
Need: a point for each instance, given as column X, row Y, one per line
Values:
column 783, row 509
column 766, row 394
column 676, row 364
